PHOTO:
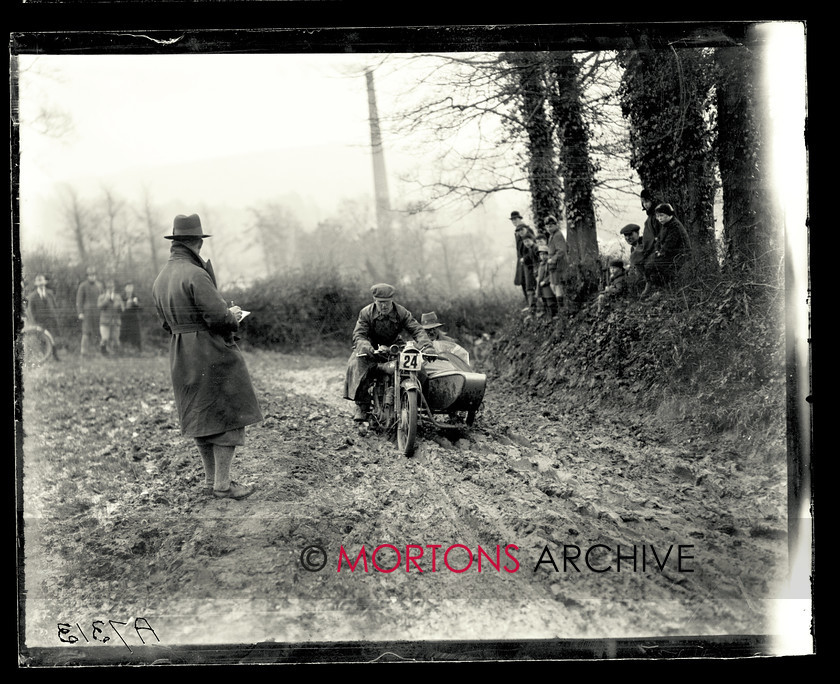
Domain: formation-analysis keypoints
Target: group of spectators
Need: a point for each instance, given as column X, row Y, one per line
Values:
column 541, row 266
column 657, row 251
column 109, row 319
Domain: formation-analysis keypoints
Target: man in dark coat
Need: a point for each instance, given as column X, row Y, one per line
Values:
column 640, row 258
column 381, row 323
column 673, row 246
column 42, row 310
column 87, row 306
column 520, row 230
column 130, row 333
column 213, row 391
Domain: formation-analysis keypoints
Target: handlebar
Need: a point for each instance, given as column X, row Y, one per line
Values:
column 383, row 353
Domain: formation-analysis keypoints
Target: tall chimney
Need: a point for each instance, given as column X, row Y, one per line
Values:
column 380, row 180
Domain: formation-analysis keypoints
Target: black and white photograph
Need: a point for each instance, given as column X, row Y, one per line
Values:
column 412, row 344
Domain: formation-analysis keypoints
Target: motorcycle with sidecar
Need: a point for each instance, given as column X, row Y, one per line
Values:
column 410, row 385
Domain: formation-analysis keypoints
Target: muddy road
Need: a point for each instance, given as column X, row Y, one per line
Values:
column 534, row 524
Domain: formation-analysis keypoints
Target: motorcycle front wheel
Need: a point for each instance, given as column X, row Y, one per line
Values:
column 37, row 346
column 407, row 423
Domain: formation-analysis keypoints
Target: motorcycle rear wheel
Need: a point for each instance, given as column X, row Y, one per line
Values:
column 407, row 422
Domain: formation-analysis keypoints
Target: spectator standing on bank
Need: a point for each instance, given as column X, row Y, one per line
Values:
column 547, row 299
column 529, row 260
column 520, row 229
column 650, row 233
column 558, row 259
column 42, row 310
column 87, row 307
column 213, row 391
column 130, row 333
column 110, row 318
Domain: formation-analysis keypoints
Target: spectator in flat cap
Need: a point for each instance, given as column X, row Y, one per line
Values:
column 380, row 323
column 617, row 286
column 639, row 259
column 673, row 246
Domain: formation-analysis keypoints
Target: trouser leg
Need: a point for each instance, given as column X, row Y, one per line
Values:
column 223, row 459
column 208, row 460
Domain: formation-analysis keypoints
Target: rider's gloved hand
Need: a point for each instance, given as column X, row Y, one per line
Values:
column 364, row 348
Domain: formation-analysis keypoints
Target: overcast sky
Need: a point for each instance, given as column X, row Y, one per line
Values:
column 153, row 109
column 130, row 111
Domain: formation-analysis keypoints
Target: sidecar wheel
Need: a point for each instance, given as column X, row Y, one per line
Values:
column 407, row 422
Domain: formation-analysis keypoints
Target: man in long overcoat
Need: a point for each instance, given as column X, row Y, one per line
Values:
column 213, row 391
column 379, row 323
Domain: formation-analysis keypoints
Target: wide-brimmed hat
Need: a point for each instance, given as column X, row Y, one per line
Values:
column 186, row 227
column 430, row 320
column 383, row 291
column 515, row 215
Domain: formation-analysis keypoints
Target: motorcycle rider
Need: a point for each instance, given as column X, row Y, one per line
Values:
column 382, row 322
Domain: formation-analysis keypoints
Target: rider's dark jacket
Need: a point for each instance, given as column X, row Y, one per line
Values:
column 374, row 329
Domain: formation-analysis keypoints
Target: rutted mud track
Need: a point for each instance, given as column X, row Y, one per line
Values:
column 117, row 525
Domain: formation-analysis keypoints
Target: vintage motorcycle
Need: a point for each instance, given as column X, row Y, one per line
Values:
column 412, row 385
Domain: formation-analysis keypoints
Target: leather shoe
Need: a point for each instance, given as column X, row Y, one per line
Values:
column 235, row 491
column 360, row 414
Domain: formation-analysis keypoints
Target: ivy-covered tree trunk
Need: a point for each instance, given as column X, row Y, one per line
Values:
column 747, row 226
column 541, row 164
column 577, row 171
column 665, row 95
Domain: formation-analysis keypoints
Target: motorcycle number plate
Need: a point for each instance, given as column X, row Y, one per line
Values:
column 410, row 361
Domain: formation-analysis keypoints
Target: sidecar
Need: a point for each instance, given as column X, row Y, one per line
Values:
column 452, row 387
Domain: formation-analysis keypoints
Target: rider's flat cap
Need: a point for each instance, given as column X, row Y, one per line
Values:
column 383, row 291
column 630, row 228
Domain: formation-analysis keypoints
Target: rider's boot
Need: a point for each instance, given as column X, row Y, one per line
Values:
column 361, row 412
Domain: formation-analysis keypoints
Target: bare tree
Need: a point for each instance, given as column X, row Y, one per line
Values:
column 276, row 229
column 149, row 215
column 78, row 218
column 113, row 216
